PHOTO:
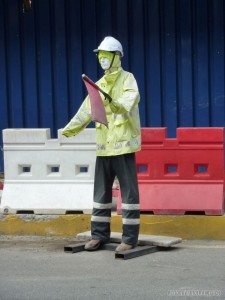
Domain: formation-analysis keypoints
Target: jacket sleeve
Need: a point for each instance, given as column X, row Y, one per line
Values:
column 81, row 119
column 129, row 98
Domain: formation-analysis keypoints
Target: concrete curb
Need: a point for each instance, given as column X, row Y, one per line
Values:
column 185, row 227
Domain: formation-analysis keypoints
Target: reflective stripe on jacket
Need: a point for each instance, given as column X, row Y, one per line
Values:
column 123, row 134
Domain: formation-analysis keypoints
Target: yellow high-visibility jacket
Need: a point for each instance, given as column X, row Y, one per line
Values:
column 123, row 134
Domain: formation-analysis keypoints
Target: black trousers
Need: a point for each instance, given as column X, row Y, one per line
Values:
column 124, row 167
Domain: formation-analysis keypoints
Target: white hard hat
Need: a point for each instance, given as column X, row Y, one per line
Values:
column 110, row 44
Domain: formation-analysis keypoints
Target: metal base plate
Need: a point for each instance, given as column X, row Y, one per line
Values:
column 138, row 251
column 143, row 239
column 146, row 244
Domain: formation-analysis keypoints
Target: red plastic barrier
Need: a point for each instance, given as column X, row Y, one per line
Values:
column 182, row 175
column 115, row 193
column 1, row 185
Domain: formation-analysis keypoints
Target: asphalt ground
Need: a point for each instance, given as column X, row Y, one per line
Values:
column 37, row 268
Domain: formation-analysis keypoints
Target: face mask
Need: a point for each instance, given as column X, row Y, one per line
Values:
column 105, row 59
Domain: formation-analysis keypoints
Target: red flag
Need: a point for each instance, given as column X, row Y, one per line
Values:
column 97, row 107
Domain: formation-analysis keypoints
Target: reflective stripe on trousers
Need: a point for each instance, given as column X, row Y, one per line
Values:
column 124, row 167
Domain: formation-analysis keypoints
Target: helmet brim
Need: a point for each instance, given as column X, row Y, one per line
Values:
column 117, row 52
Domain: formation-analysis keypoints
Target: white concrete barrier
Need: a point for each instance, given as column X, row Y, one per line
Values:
column 48, row 176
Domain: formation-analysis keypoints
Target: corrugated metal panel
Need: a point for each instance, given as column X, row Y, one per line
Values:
column 174, row 48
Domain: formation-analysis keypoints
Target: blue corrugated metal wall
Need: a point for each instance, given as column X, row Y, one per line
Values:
column 175, row 48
